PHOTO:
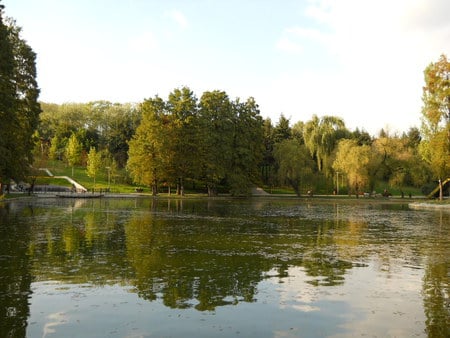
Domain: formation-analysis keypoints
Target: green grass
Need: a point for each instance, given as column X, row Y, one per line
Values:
column 58, row 168
column 119, row 185
column 47, row 180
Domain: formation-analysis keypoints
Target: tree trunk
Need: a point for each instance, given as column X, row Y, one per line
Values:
column 295, row 184
column 441, row 192
column 180, row 187
column 212, row 191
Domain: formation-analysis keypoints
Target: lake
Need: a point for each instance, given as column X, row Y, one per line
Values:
column 256, row 267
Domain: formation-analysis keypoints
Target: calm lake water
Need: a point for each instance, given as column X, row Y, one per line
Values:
column 223, row 268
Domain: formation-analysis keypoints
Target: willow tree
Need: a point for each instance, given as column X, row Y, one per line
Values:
column 19, row 106
column 435, row 146
column 321, row 136
column 295, row 165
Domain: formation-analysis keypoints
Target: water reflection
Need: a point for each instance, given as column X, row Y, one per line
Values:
column 203, row 255
column 15, row 271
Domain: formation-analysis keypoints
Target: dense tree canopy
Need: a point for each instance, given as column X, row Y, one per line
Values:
column 100, row 124
column 214, row 142
column 19, row 107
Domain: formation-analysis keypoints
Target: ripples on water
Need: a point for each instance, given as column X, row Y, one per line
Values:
column 192, row 268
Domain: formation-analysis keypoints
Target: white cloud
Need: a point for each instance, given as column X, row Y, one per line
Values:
column 308, row 33
column 144, row 42
column 295, row 38
column 179, row 18
column 380, row 47
column 287, row 45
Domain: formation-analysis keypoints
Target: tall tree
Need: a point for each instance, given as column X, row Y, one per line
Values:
column 282, row 130
column 183, row 131
column 216, row 130
column 247, row 147
column 148, row 150
column 268, row 164
column 19, row 107
column 435, row 146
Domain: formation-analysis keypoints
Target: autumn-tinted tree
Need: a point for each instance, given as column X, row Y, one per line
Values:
column 19, row 107
column 352, row 160
column 435, row 146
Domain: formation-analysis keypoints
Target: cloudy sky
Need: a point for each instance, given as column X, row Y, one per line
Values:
column 362, row 60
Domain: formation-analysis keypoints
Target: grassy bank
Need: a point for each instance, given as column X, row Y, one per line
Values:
column 119, row 183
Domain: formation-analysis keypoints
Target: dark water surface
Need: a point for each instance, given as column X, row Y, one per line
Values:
column 223, row 268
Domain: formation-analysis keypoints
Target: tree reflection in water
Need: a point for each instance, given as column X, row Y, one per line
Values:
column 15, row 271
column 210, row 253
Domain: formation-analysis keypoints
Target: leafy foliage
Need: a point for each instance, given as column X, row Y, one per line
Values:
column 94, row 162
column 295, row 164
column 19, row 107
column 435, row 148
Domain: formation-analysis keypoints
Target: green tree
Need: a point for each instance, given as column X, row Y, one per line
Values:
column 363, row 137
column 54, row 153
column 435, row 146
column 73, row 151
column 247, row 147
column 268, row 164
column 215, row 144
column 321, row 136
column 282, row 130
column 121, row 124
column 183, row 134
column 295, row 165
column 19, row 106
column 148, row 149
column 94, row 162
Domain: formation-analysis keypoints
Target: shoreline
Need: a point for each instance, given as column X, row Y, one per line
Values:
column 419, row 200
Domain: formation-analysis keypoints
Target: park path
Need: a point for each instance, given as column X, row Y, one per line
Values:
column 257, row 191
column 78, row 186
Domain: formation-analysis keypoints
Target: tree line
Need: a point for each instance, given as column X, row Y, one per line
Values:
column 213, row 143
column 218, row 144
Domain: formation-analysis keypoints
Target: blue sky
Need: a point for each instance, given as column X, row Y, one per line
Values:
column 362, row 60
